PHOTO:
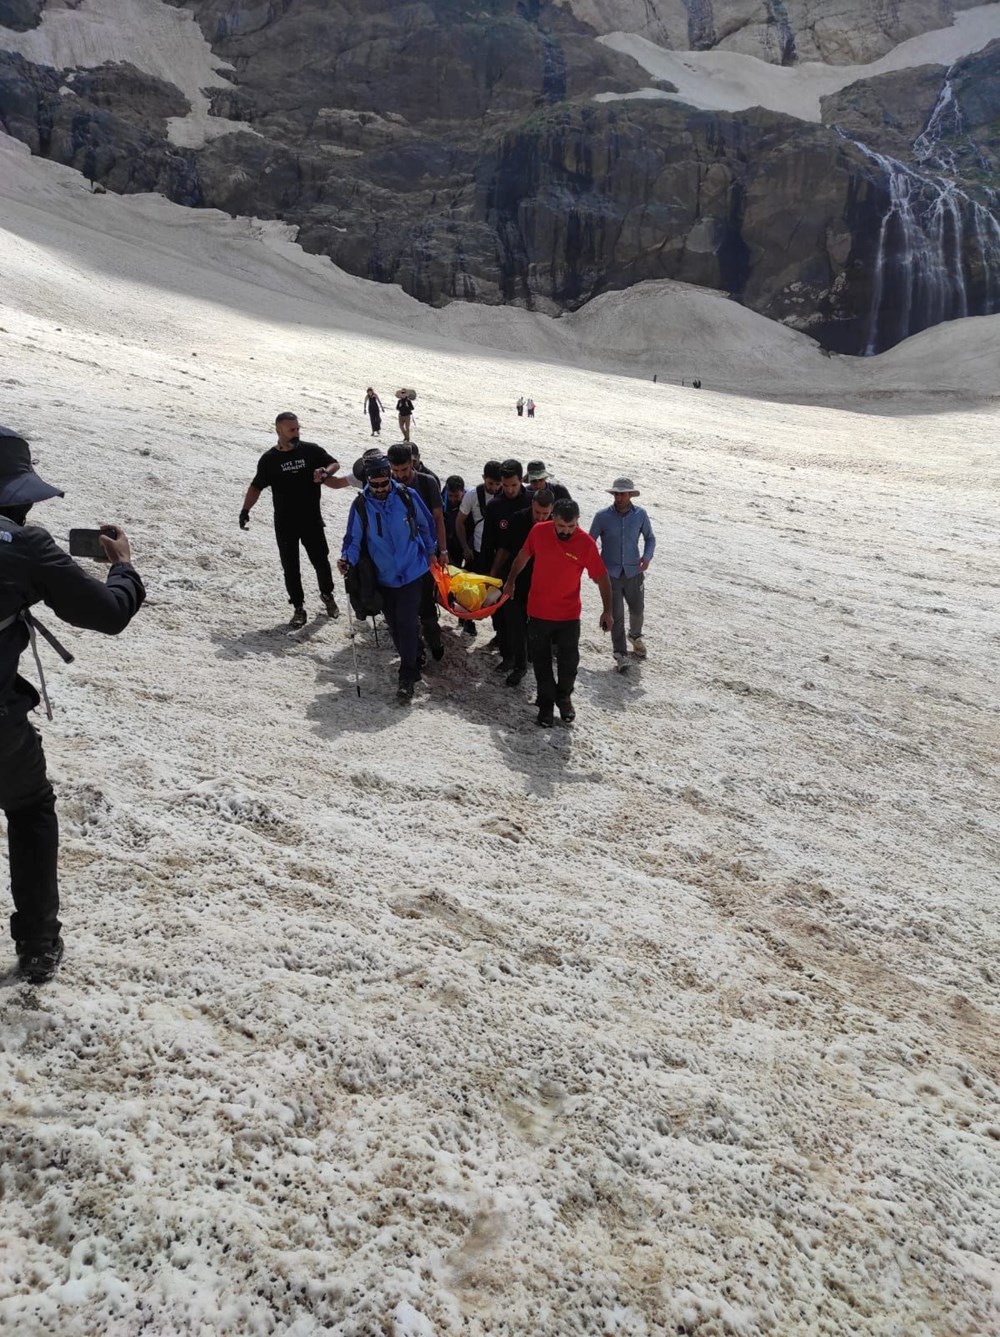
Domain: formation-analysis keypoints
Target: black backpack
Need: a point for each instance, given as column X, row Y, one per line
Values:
column 361, row 581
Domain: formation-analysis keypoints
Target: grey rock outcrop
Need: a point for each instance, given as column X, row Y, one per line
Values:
column 460, row 153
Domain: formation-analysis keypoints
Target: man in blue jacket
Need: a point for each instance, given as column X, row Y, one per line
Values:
column 402, row 543
column 617, row 530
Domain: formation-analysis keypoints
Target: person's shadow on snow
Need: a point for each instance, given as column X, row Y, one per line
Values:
column 274, row 640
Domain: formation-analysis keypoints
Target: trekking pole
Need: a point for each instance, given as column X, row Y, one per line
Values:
column 354, row 647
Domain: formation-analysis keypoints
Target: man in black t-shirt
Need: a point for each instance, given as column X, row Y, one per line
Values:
column 295, row 470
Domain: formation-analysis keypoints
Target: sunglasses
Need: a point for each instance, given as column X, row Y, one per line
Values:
column 379, row 484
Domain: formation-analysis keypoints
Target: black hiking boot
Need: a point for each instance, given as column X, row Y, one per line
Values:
column 437, row 646
column 469, row 628
column 566, row 712
column 504, row 666
column 39, row 961
column 515, row 677
column 330, row 604
column 404, row 692
column 298, row 619
column 545, row 718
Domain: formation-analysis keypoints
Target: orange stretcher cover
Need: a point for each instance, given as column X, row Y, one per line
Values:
column 442, row 579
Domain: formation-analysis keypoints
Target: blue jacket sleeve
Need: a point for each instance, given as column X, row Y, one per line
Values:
column 597, row 525
column 425, row 524
column 350, row 549
column 649, row 539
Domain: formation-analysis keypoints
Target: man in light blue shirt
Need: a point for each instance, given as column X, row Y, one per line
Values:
column 617, row 530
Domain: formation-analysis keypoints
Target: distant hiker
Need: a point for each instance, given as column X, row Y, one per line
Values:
column 453, row 494
column 515, row 612
column 530, row 406
column 294, row 470
column 520, row 406
column 33, row 570
column 397, row 531
column 428, row 489
column 617, row 529
column 373, row 407
column 696, row 383
column 537, row 477
column 404, row 407
column 562, row 552
column 654, row 377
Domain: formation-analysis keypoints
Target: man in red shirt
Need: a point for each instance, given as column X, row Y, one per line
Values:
column 562, row 552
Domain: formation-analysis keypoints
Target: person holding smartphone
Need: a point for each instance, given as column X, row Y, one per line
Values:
column 33, row 569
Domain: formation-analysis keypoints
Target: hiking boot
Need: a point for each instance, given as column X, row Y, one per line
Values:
column 39, row 961
column 469, row 628
column 515, row 677
column 621, row 663
column 493, row 644
column 566, row 712
column 545, row 718
column 298, row 619
column 404, row 692
column 330, row 604
column 639, row 647
column 504, row 666
column 437, row 647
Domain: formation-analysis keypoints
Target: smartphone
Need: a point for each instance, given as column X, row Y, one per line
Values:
column 86, row 542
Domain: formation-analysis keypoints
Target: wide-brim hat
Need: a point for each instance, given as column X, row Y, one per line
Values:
column 624, row 485
column 535, row 470
column 406, row 394
column 19, row 484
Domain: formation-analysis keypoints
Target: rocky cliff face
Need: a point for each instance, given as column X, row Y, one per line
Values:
column 460, row 152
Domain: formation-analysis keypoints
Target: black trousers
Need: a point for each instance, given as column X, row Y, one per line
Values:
column 514, row 637
column 29, row 805
column 312, row 536
column 401, row 609
column 429, row 611
column 563, row 640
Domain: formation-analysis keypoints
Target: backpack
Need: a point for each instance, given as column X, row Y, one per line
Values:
column 361, row 581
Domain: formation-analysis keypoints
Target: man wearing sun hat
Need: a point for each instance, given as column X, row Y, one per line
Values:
column 617, row 530
column 33, row 569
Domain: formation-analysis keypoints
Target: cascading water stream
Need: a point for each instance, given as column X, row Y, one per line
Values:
column 938, row 251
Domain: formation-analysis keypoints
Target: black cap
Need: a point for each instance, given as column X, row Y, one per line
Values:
column 19, row 484
column 379, row 467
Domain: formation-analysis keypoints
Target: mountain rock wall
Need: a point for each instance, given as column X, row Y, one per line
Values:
column 460, row 152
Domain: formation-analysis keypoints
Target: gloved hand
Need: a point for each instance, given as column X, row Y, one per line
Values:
column 244, row 518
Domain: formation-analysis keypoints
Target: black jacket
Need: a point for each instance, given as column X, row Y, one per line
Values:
column 33, row 569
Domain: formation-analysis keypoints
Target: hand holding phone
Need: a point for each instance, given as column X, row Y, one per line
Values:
column 107, row 544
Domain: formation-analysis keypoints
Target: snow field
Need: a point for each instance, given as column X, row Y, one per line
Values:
column 417, row 1021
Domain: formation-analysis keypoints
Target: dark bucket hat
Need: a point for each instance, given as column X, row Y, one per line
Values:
column 19, row 484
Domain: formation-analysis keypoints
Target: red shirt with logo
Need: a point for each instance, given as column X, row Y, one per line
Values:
column 559, row 568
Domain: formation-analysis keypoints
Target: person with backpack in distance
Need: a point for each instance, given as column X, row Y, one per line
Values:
column 404, row 409
column 618, row 529
column 390, row 525
column 373, row 407
column 34, row 570
column 294, row 470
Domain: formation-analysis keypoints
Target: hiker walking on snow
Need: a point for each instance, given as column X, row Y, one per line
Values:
column 562, row 552
column 428, row 489
column 397, row 530
column 530, row 406
column 294, row 470
column 404, row 407
column 520, row 407
column 618, row 529
column 373, row 407
column 33, row 570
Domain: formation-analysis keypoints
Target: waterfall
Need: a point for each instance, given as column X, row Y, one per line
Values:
column 938, row 251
